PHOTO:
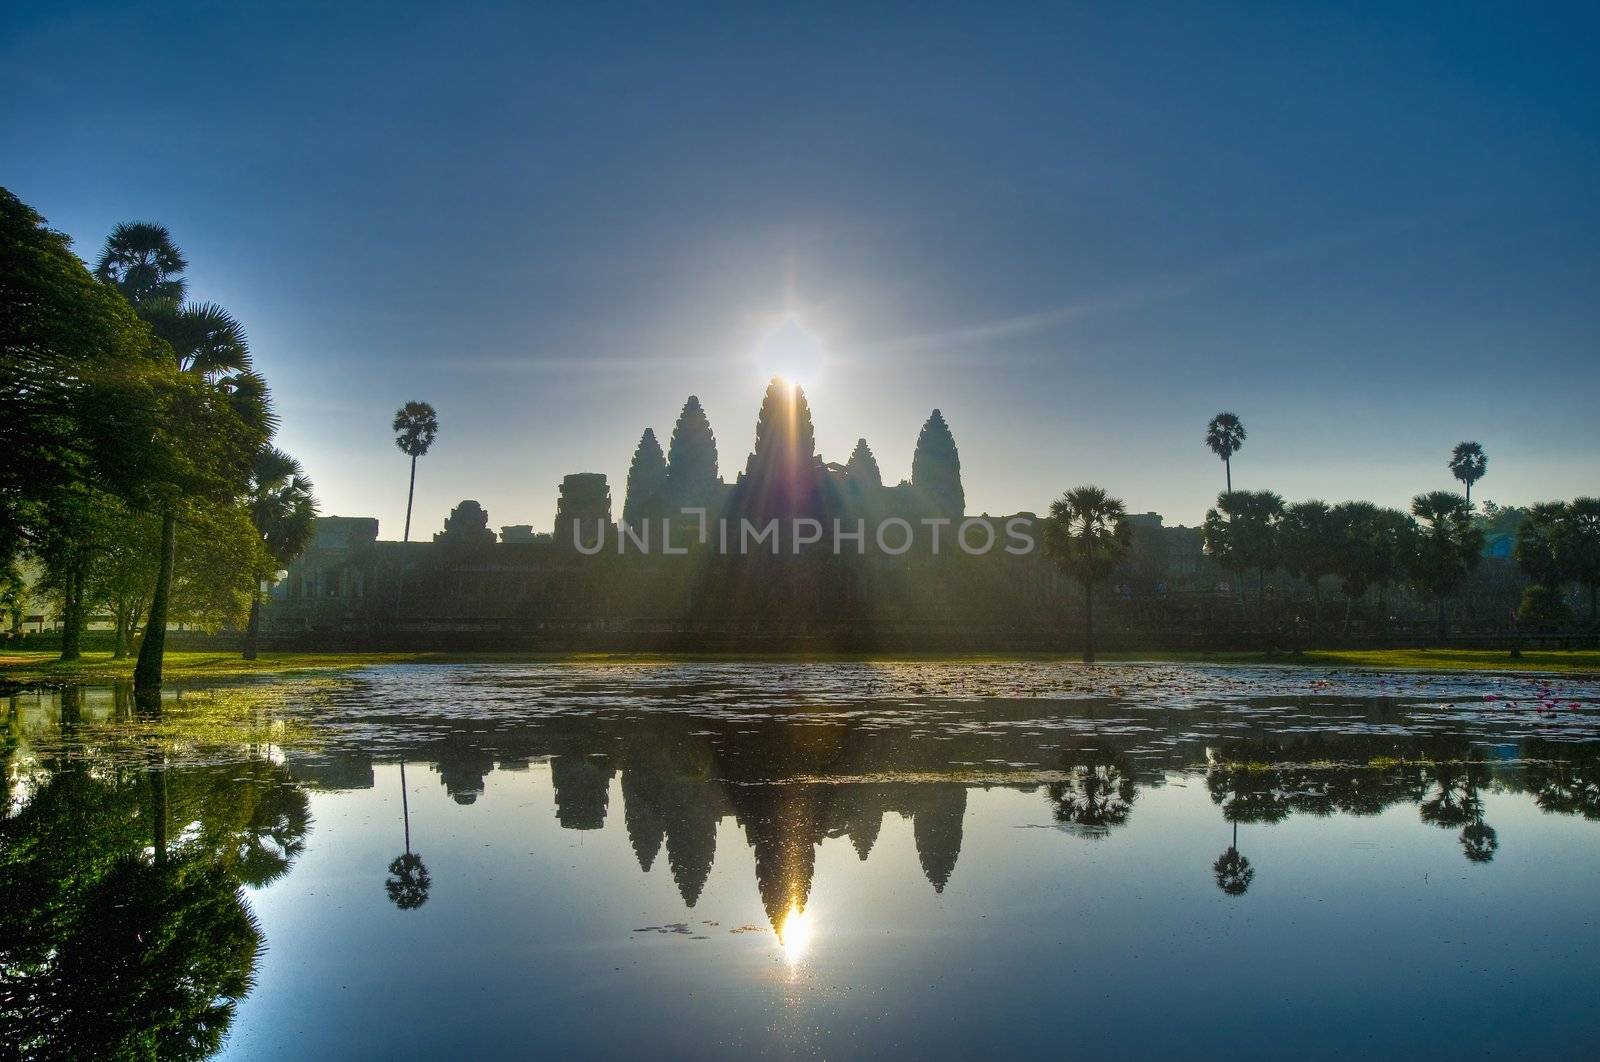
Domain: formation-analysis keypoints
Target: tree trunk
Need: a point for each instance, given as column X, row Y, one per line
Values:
column 1088, row 623
column 410, row 491
column 1227, row 466
column 72, row 616
column 119, row 647
column 153, row 646
column 252, row 630
column 1443, row 630
column 1349, row 605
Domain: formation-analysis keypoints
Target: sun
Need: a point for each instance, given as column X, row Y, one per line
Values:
column 792, row 352
column 795, row 934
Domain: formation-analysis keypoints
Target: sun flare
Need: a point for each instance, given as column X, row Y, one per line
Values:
column 791, row 352
column 795, row 933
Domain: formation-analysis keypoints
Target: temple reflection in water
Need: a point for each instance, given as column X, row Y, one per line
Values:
column 122, row 828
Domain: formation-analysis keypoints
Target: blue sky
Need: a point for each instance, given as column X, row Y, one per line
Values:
column 1079, row 230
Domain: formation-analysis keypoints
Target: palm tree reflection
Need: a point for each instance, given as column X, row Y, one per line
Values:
column 408, row 882
column 1096, row 794
column 1233, row 871
column 1453, row 801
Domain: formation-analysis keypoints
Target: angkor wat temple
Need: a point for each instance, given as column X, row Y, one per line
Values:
column 676, row 569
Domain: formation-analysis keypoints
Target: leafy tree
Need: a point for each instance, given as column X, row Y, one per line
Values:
column 1225, row 437
column 219, row 563
column 1304, row 546
column 207, row 420
column 1468, row 464
column 212, row 421
column 863, row 467
column 13, row 596
column 936, row 467
column 80, row 375
column 79, row 519
column 1088, row 534
column 416, row 425
column 124, row 573
column 1448, row 547
column 647, row 476
column 692, row 478
column 283, row 512
column 1583, row 548
column 1242, row 533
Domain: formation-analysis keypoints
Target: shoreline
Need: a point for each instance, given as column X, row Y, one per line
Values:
column 32, row 667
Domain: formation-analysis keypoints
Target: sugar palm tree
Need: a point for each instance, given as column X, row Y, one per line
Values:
column 1448, row 546
column 1583, row 548
column 1468, row 464
column 1088, row 534
column 1225, row 436
column 141, row 261
column 415, row 427
column 283, row 509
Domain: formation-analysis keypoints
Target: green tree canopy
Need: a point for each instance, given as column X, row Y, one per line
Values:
column 1242, row 531
column 81, row 381
column 1448, row 545
column 1304, row 546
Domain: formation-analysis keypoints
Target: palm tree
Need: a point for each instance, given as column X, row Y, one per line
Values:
column 141, row 261
column 210, row 347
column 415, row 426
column 1225, row 436
column 1248, row 538
column 408, row 882
column 1305, row 549
column 1583, row 540
column 1449, row 545
column 1468, row 463
column 1088, row 534
column 283, row 510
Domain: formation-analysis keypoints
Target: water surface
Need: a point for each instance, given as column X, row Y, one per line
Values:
column 832, row 860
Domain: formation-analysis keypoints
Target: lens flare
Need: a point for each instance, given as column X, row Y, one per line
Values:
column 791, row 352
column 795, row 933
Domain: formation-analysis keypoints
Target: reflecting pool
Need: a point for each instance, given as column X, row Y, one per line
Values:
column 831, row 860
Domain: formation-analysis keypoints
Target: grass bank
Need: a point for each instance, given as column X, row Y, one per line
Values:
column 42, row 666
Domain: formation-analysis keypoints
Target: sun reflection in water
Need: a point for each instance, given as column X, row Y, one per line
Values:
column 795, row 933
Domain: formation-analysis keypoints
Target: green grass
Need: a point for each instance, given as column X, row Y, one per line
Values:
column 99, row 667
column 31, row 666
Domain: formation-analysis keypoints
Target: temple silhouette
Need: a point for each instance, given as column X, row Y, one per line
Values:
column 469, row 588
